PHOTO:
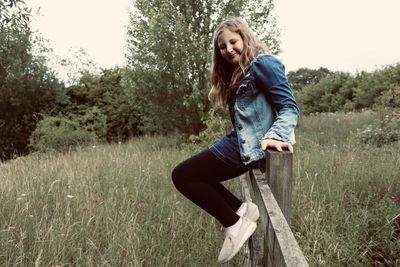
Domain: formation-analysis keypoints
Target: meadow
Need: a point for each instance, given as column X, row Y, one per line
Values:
column 115, row 205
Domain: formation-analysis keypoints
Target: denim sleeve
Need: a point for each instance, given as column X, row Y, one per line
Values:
column 271, row 79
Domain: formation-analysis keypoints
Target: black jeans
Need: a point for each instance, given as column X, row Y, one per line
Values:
column 198, row 178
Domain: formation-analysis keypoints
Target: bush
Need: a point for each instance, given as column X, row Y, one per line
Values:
column 217, row 125
column 329, row 94
column 390, row 97
column 340, row 91
column 106, row 93
column 60, row 134
column 386, row 132
column 93, row 120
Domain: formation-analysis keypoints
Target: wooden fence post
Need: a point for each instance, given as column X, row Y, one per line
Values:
column 273, row 244
column 279, row 175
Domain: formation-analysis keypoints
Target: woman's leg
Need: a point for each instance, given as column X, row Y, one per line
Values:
column 198, row 178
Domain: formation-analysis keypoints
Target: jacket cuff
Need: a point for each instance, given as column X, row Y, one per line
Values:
column 275, row 136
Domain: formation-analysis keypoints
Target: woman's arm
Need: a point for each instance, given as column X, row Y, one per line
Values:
column 271, row 79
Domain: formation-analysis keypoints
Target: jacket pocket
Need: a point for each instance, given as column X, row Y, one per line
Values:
column 246, row 93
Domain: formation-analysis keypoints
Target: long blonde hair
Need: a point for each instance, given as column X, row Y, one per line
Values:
column 224, row 76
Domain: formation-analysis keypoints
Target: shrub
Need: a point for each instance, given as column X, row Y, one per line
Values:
column 60, row 134
column 390, row 97
column 217, row 125
column 329, row 94
column 106, row 93
column 93, row 120
column 386, row 132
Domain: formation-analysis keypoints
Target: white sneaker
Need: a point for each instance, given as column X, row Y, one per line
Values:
column 232, row 244
column 252, row 212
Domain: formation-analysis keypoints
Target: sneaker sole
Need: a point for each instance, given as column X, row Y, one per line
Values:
column 249, row 231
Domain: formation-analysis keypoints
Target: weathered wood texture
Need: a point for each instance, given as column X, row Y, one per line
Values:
column 279, row 175
column 252, row 252
column 274, row 243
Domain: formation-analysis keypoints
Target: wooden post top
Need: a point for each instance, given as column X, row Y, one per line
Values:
column 279, row 176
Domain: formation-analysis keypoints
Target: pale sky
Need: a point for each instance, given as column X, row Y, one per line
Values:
column 345, row 35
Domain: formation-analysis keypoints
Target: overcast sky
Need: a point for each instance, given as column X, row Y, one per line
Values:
column 347, row 35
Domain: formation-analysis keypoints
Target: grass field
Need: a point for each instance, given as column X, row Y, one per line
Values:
column 346, row 195
column 114, row 205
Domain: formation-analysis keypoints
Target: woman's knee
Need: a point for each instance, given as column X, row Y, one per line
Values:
column 191, row 169
column 177, row 176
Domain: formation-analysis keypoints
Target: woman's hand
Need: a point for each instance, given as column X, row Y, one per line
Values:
column 278, row 145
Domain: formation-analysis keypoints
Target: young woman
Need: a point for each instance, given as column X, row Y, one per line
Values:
column 264, row 113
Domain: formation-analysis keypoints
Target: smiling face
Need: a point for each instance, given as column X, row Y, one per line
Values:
column 230, row 45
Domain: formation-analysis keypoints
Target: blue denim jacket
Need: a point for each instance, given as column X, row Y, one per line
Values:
column 264, row 108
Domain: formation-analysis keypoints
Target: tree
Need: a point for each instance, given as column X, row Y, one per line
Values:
column 73, row 66
column 343, row 91
column 378, row 88
column 327, row 95
column 27, row 86
column 305, row 76
column 9, row 10
column 169, row 46
column 106, row 93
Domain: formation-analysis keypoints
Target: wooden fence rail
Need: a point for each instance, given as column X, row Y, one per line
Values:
column 273, row 244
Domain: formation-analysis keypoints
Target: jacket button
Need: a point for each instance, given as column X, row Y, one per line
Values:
column 240, row 127
column 243, row 141
column 245, row 158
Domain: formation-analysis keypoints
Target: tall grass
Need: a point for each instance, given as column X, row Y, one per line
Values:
column 346, row 195
column 110, row 205
column 114, row 205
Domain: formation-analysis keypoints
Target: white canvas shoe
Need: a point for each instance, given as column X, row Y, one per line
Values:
column 252, row 212
column 232, row 244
